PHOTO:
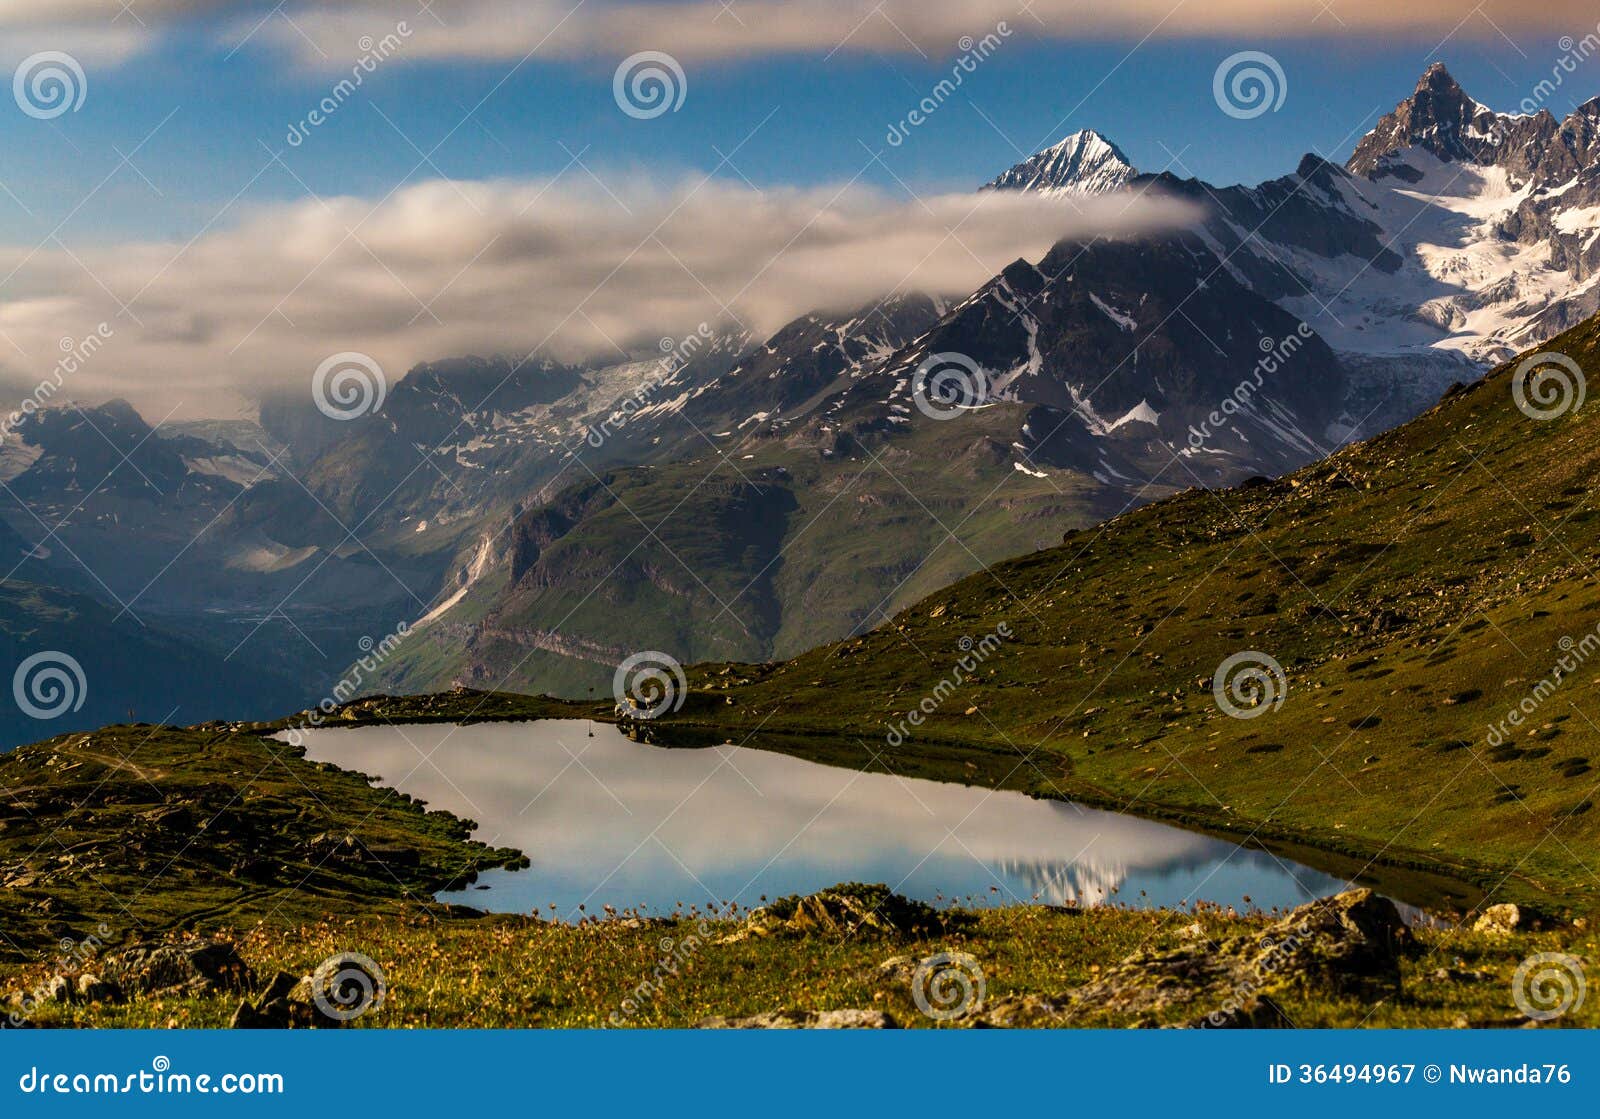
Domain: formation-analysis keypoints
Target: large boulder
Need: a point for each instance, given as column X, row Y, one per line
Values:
column 284, row 1003
column 342, row 989
column 196, row 967
column 1498, row 920
column 1348, row 943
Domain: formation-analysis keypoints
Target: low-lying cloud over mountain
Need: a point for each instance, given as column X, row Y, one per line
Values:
column 574, row 267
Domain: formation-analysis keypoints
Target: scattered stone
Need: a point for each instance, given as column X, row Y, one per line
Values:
column 896, row 971
column 898, row 974
column 91, row 988
column 327, row 847
column 637, row 921
column 1498, row 920
column 285, row 1003
column 1459, row 975
column 1024, row 1012
column 805, row 1020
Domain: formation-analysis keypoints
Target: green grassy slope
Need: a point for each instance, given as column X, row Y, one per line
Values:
column 143, row 829
column 1414, row 589
column 764, row 551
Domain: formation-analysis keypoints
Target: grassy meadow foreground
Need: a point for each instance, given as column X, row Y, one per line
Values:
column 161, row 876
column 521, row 972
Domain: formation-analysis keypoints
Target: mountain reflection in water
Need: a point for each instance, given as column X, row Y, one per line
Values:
column 608, row 821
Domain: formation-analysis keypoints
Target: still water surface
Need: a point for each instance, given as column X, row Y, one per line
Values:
column 608, row 821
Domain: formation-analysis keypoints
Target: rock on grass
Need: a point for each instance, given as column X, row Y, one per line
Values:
column 848, row 909
column 804, row 1020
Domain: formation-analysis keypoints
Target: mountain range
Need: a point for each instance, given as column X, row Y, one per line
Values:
column 1388, row 654
column 737, row 498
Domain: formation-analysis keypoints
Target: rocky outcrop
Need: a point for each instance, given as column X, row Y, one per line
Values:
column 341, row 990
column 186, row 968
column 1343, row 945
column 285, row 1003
column 1346, row 945
column 805, row 1020
column 849, row 909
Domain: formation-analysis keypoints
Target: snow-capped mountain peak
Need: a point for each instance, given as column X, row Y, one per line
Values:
column 1083, row 163
column 1494, row 215
column 1441, row 119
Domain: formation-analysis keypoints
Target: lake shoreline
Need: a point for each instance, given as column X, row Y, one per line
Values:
column 1439, row 884
column 610, row 820
column 454, row 966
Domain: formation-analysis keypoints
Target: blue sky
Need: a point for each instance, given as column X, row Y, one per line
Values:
column 794, row 120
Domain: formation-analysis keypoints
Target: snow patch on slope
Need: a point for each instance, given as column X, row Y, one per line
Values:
column 481, row 561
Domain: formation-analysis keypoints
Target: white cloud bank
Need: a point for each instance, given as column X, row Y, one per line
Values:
column 326, row 31
column 441, row 269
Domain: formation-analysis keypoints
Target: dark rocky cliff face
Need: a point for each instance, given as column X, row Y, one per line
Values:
column 1152, row 333
column 1305, row 210
column 1440, row 118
